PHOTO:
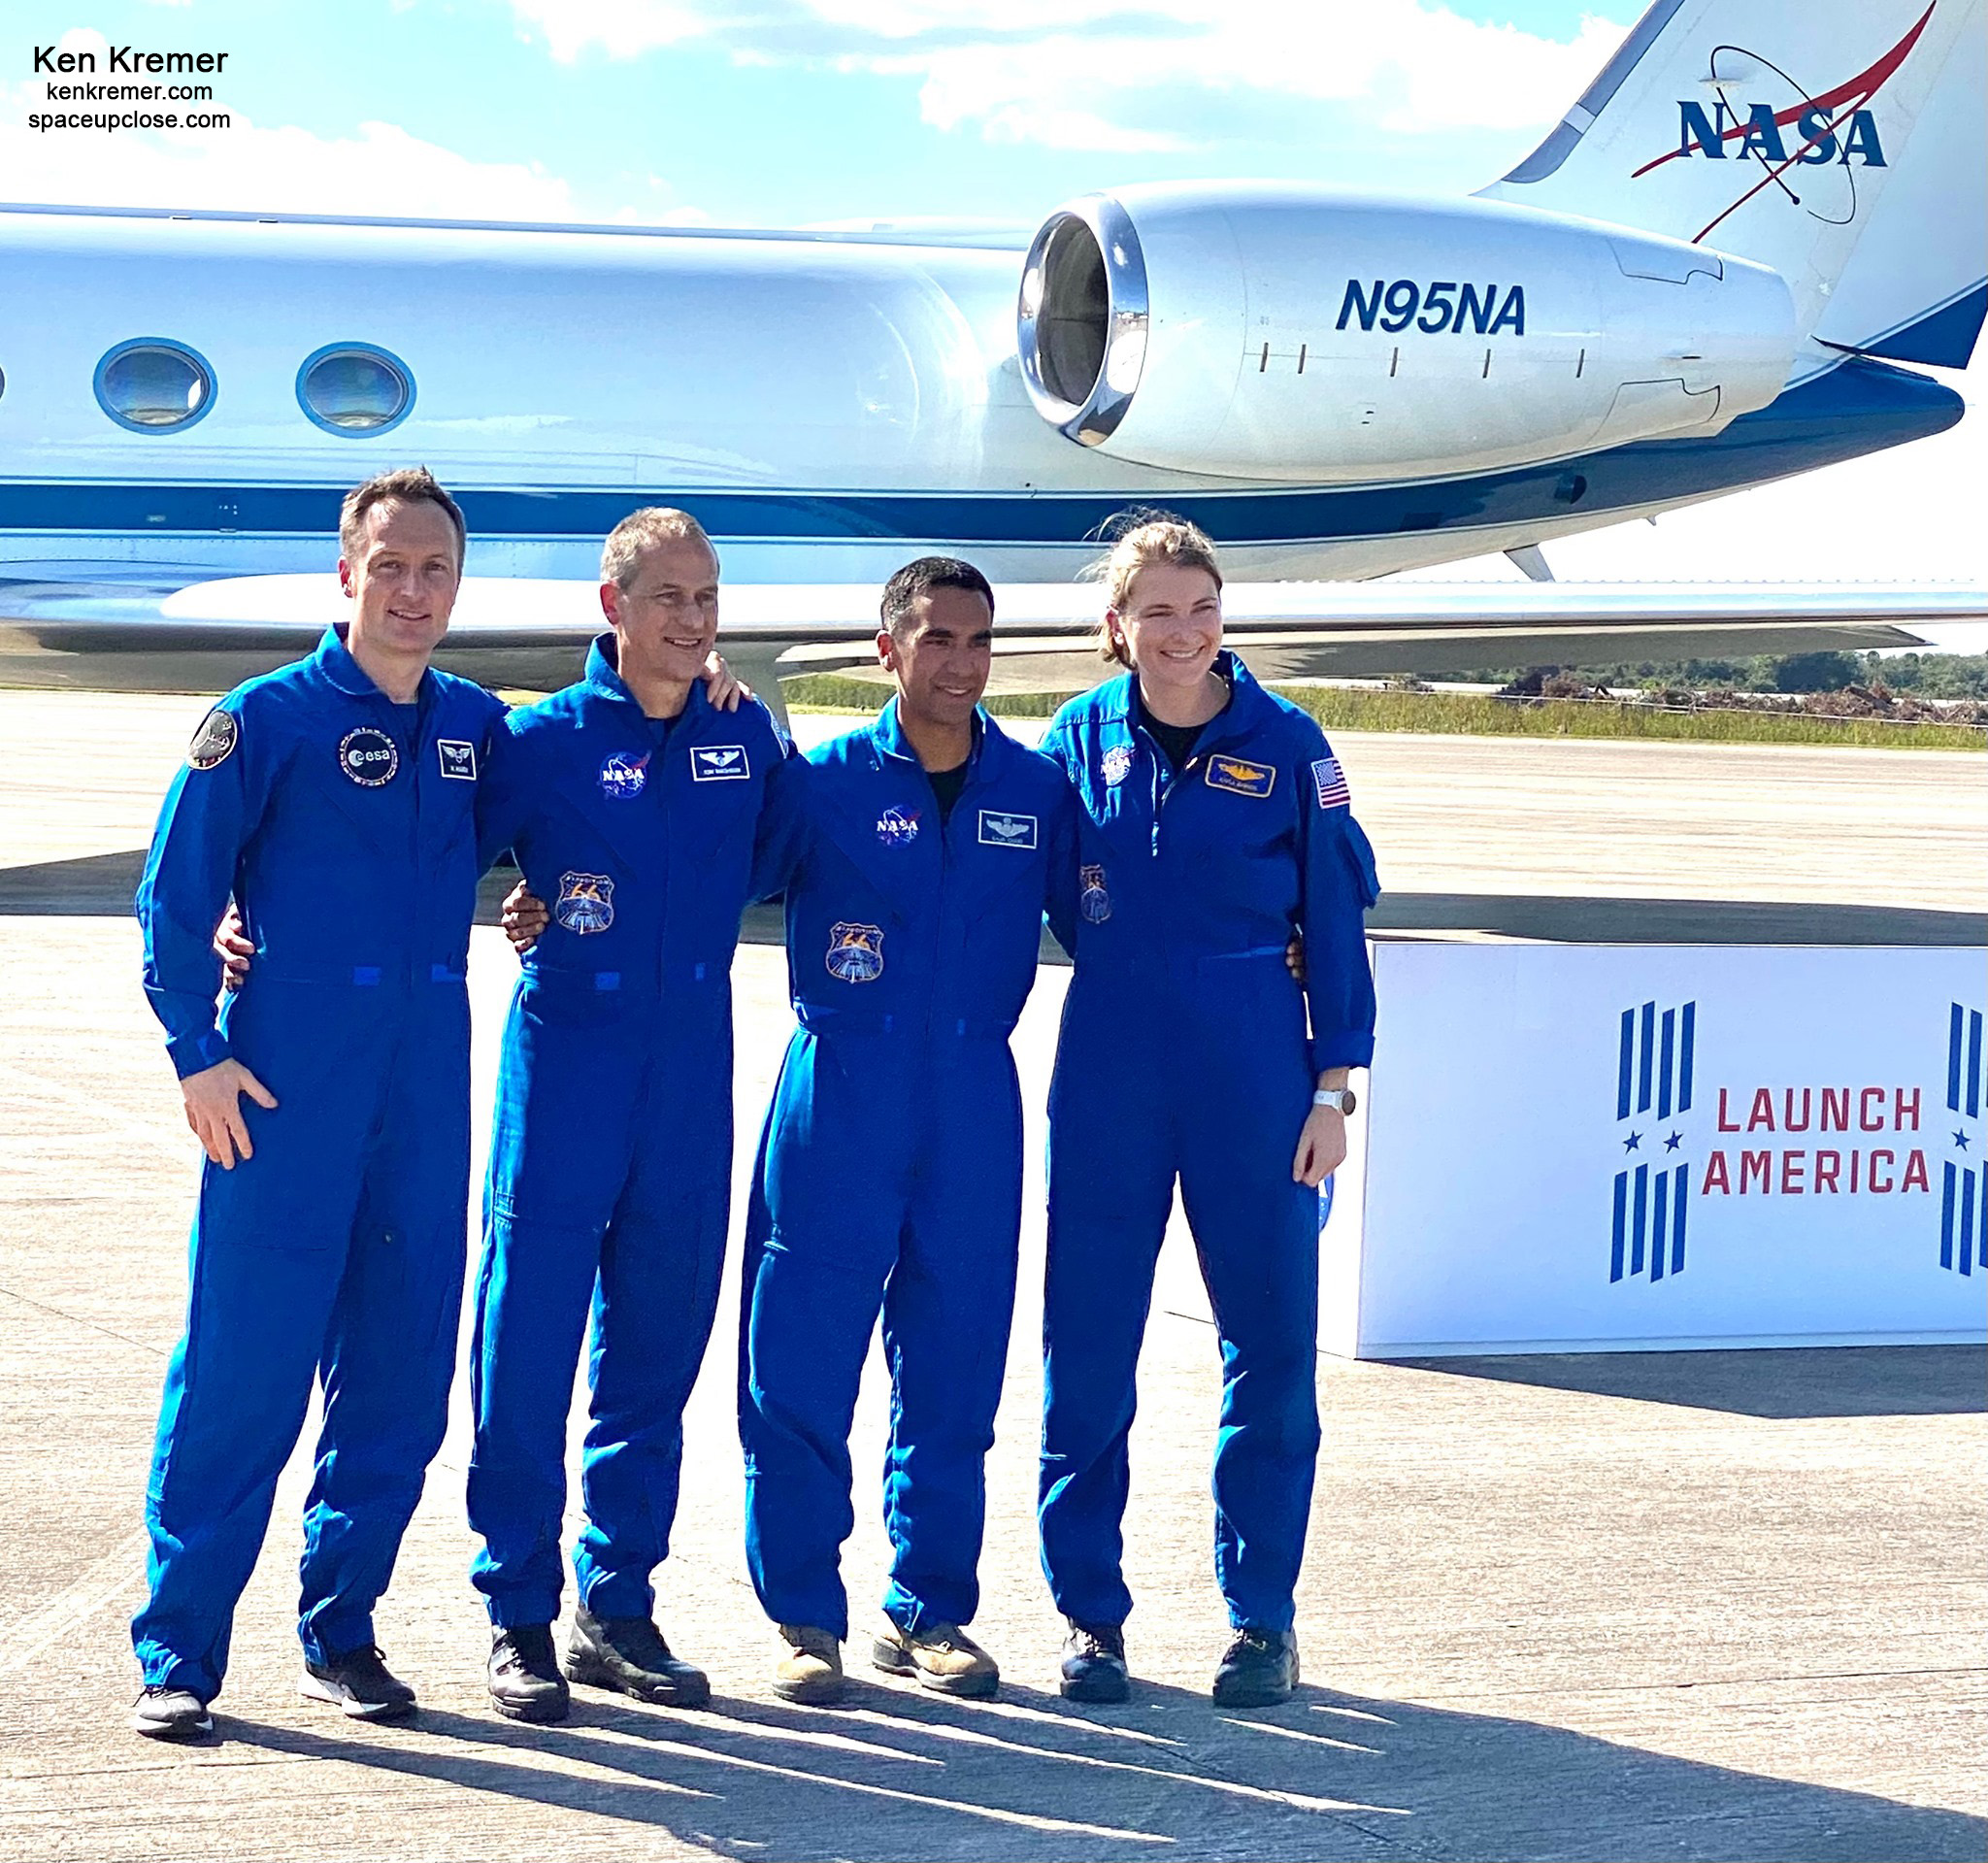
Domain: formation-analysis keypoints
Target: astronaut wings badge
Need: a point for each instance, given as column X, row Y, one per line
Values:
column 586, row 903
column 855, row 953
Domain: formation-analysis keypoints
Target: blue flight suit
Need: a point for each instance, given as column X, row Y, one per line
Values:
column 1184, row 1053
column 890, row 1171
column 343, row 824
column 612, row 1154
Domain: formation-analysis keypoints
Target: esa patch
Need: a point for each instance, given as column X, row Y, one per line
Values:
column 897, row 827
column 458, row 759
column 219, row 734
column 855, row 953
column 1115, row 764
column 719, row 763
column 585, row 904
column 623, row 775
column 1001, row 829
column 1092, row 899
column 369, row 756
column 1331, row 783
column 1239, row 777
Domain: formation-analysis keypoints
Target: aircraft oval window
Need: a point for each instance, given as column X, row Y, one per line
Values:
column 154, row 386
column 354, row 389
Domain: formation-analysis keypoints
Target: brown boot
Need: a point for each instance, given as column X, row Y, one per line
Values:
column 940, row 1657
column 811, row 1672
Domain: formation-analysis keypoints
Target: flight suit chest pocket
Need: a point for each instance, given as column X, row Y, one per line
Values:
column 360, row 776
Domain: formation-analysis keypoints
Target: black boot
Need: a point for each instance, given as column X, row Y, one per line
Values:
column 1259, row 1670
column 629, row 1654
column 360, row 1684
column 1094, row 1663
column 525, row 1682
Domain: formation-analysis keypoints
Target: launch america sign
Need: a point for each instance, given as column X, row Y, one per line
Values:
column 1618, row 1147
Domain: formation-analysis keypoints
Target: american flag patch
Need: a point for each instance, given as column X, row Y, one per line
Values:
column 1331, row 783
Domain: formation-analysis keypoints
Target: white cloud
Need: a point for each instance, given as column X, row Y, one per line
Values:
column 378, row 169
column 1124, row 76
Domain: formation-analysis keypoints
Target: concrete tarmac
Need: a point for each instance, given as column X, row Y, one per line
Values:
column 1700, row 1605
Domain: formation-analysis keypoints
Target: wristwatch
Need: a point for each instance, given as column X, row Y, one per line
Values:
column 1342, row 1099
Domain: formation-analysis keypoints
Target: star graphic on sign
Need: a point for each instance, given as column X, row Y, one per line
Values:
column 1673, row 1142
column 1961, row 1139
column 1630, row 1143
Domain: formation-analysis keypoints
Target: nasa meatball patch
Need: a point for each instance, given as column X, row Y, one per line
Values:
column 217, row 736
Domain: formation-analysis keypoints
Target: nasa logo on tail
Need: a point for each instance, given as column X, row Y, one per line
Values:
column 1803, row 145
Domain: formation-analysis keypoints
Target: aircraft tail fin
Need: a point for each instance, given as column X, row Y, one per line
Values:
column 1840, row 142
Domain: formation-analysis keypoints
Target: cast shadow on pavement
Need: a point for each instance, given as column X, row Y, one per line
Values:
column 1784, row 1381
column 893, row 1775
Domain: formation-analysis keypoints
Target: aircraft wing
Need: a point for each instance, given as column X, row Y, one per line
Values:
column 161, row 628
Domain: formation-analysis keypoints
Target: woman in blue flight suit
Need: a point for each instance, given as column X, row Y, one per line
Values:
column 1215, row 820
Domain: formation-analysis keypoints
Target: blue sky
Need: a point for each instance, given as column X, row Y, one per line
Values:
column 794, row 112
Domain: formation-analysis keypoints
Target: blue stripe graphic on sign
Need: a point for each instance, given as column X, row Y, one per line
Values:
column 1628, row 1061
column 1677, row 1222
column 1647, row 1059
column 1642, row 1213
column 1945, row 1218
column 1973, row 1062
column 1684, row 1058
column 1659, row 1225
column 1967, row 1225
column 1666, row 1066
column 1622, row 1212
column 1953, row 1060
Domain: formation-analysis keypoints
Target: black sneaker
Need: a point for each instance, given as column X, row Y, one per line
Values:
column 163, row 1712
column 629, row 1654
column 1259, row 1668
column 525, row 1682
column 358, row 1683
column 1094, row 1663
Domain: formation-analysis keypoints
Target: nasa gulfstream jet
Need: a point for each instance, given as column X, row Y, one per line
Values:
column 1707, row 276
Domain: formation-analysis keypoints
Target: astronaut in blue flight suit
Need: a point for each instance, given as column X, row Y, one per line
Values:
column 918, row 854
column 329, row 1239
column 632, row 803
column 1214, row 822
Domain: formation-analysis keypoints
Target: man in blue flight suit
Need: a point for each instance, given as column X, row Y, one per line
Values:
column 917, row 854
column 632, row 804
column 329, row 1239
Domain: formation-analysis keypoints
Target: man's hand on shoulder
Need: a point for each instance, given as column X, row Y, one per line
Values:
column 213, row 1110
column 723, row 687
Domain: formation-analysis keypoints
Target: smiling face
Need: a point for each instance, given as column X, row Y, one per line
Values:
column 402, row 577
column 942, row 653
column 1171, row 628
column 667, row 617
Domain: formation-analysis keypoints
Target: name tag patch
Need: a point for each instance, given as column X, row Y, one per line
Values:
column 1239, row 777
column 586, row 903
column 719, row 763
column 458, row 759
column 369, row 756
column 855, row 953
column 1000, row 829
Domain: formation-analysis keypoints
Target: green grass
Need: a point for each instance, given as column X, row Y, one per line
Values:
column 1473, row 715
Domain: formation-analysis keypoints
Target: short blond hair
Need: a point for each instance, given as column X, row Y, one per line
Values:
column 406, row 485
column 645, row 530
column 1149, row 538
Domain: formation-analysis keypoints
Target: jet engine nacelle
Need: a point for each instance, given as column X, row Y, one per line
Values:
column 1309, row 334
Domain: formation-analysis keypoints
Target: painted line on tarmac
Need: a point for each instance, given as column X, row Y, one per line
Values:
column 76, row 1604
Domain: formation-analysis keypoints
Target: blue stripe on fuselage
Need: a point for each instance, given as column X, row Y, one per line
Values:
column 1856, row 408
